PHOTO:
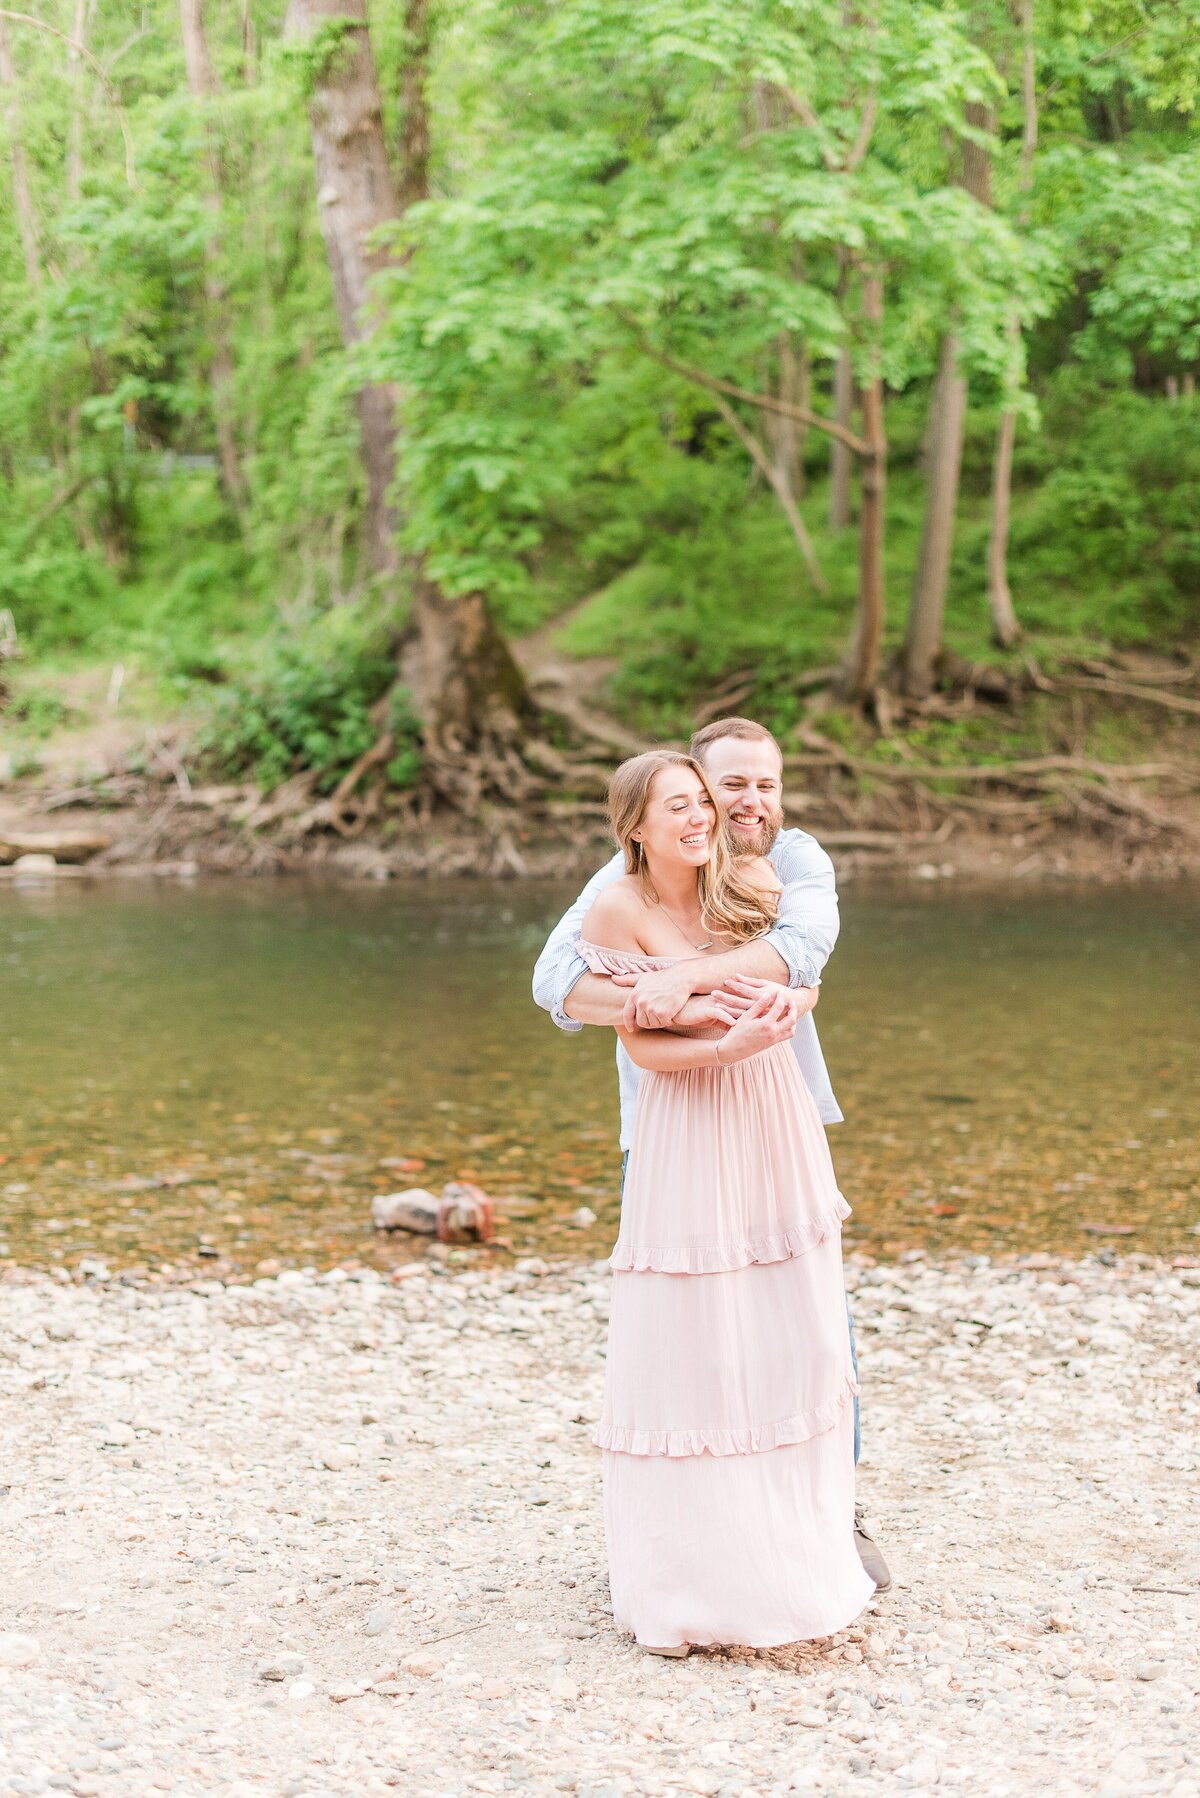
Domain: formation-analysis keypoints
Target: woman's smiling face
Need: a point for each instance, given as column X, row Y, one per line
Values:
column 747, row 777
column 679, row 820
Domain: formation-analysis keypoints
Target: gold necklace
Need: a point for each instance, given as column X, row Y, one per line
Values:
column 685, row 934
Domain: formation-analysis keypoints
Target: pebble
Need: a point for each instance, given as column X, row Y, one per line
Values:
column 284, row 1666
column 341, row 1456
column 423, row 1665
column 250, row 1561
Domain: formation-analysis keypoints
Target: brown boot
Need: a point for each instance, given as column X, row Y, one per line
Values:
column 868, row 1553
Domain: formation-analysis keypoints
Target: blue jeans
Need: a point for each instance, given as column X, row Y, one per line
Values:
column 849, row 1321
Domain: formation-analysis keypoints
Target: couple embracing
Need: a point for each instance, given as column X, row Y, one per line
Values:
column 729, row 1424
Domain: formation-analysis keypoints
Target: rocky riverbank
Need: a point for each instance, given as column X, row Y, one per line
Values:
column 339, row 1535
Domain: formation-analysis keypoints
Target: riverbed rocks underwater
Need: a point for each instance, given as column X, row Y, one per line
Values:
column 340, row 1534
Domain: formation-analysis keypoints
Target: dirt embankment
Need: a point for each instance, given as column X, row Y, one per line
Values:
column 149, row 826
column 1011, row 801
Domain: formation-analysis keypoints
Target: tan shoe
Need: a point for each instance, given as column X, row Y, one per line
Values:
column 680, row 1651
column 868, row 1553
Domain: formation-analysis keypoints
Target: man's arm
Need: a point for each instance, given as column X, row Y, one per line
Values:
column 560, row 967
column 809, row 921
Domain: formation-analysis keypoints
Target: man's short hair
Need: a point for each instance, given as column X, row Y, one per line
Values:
column 745, row 728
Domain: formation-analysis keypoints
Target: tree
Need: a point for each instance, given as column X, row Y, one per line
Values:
column 203, row 86
column 861, row 667
column 670, row 230
column 1005, row 628
column 467, row 691
column 18, row 162
column 943, row 456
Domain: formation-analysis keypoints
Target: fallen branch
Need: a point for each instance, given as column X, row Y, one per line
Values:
column 63, row 845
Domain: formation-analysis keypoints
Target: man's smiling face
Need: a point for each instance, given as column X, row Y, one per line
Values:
column 747, row 777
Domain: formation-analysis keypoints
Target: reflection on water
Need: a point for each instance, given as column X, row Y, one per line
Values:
column 231, row 1071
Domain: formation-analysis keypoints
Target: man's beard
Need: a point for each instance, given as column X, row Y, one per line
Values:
column 762, row 841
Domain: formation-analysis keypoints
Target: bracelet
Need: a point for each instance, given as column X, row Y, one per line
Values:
column 717, row 1052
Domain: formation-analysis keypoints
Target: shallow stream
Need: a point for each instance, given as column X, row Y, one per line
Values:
column 222, row 1074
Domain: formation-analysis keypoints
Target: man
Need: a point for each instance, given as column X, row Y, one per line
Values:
column 744, row 765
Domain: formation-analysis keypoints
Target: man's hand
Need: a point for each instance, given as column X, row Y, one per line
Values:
column 746, row 990
column 656, row 999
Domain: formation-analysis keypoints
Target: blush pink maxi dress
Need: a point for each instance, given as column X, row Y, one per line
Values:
column 728, row 1426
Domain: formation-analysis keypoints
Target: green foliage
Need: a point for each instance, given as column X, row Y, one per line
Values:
column 404, row 767
column 619, row 186
column 314, row 60
column 663, row 224
column 1109, row 543
column 308, row 706
column 36, row 712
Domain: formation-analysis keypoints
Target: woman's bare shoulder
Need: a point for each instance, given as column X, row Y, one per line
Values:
column 614, row 921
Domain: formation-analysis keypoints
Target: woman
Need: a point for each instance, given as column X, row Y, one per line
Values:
column 727, row 1427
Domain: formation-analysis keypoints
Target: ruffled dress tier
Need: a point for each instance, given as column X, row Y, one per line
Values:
column 727, row 1430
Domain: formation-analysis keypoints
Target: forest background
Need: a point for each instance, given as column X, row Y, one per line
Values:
column 406, row 409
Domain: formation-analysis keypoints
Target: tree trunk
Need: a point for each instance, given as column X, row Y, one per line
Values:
column 787, row 435
column 22, row 200
column 840, row 455
column 469, row 694
column 203, row 86
column 466, row 689
column 1005, row 628
column 415, row 143
column 74, row 168
column 249, row 47
column 356, row 193
column 943, row 460
column 861, row 668
column 947, row 414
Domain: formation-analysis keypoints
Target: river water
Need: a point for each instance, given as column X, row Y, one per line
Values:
column 219, row 1076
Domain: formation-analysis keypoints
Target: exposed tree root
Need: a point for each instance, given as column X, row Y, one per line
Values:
column 1050, row 785
column 1174, row 702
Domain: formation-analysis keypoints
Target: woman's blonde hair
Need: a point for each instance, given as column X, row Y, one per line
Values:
column 731, row 903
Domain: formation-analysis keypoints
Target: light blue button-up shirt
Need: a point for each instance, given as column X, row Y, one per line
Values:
column 804, row 935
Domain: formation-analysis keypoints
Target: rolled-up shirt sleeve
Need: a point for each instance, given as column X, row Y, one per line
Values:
column 560, row 964
column 808, row 923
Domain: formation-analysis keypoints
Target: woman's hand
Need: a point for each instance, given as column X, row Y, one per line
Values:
column 744, row 987
column 771, row 1019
